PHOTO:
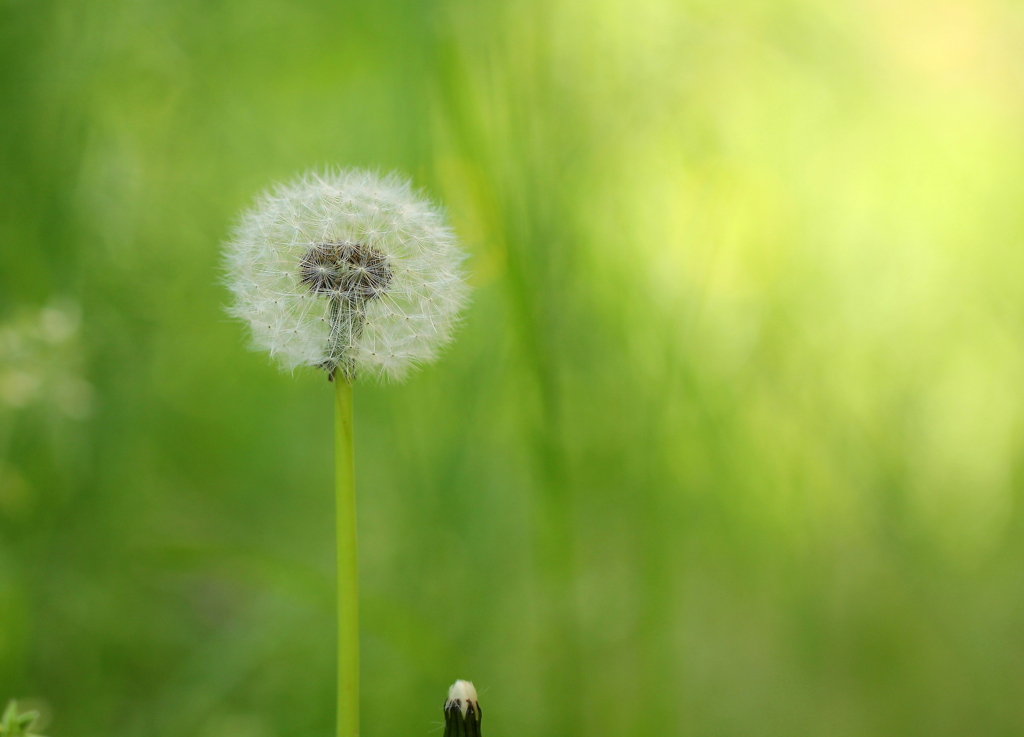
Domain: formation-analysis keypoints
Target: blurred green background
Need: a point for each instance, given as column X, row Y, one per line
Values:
column 730, row 442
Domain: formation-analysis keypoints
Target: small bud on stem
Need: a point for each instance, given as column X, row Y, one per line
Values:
column 462, row 713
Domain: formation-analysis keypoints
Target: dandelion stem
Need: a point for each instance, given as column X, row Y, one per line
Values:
column 348, row 564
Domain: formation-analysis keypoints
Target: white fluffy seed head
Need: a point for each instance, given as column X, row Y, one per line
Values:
column 346, row 269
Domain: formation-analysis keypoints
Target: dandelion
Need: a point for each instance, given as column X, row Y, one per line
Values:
column 346, row 270
column 357, row 275
column 462, row 715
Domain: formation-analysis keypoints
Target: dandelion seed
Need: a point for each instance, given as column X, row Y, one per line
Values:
column 363, row 275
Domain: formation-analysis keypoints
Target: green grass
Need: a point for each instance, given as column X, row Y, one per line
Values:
column 730, row 442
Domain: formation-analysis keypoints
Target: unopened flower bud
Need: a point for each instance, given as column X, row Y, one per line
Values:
column 462, row 713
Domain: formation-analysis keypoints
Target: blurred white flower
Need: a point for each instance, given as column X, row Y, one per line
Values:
column 346, row 270
column 40, row 361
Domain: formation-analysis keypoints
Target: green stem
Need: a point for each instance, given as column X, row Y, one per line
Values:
column 348, row 564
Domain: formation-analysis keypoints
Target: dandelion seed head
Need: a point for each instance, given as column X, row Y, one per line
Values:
column 348, row 269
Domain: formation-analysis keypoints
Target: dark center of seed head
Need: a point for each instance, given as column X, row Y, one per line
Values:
column 353, row 272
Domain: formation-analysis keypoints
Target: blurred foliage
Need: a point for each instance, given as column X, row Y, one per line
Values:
column 15, row 723
column 730, row 442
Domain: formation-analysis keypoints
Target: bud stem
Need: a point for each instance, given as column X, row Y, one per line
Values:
column 348, row 564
